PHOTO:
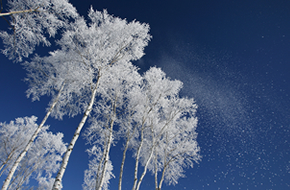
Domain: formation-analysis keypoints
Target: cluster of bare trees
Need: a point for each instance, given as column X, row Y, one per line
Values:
column 92, row 74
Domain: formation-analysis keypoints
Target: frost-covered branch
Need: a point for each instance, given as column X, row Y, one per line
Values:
column 31, row 21
column 18, row 12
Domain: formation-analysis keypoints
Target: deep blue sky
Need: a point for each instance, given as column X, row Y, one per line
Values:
column 233, row 58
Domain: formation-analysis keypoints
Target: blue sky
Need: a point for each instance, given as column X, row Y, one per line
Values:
column 233, row 58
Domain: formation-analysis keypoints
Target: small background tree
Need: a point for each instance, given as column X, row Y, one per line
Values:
column 41, row 161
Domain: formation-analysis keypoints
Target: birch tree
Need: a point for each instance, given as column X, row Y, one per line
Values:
column 62, row 81
column 91, row 73
column 114, row 91
column 92, row 175
column 175, row 146
column 60, row 77
column 14, row 136
column 41, row 161
column 160, row 112
column 155, row 89
column 92, row 48
column 31, row 21
column 128, row 127
column 155, row 122
column 105, row 42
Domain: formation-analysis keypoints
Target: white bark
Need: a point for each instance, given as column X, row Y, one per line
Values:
column 99, row 187
column 137, row 160
column 22, row 154
column 140, row 146
column 6, row 161
column 110, row 139
column 156, row 170
column 148, row 160
column 122, row 164
column 162, row 178
column 58, row 180
column 163, row 172
column 124, row 157
column 100, row 166
column 145, row 170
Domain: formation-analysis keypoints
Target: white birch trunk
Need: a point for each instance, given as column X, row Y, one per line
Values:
column 163, row 172
column 162, row 178
column 164, row 168
column 6, row 161
column 23, row 153
column 145, row 170
column 122, row 165
column 137, row 161
column 106, row 157
column 110, row 139
column 99, row 167
column 58, row 179
column 148, row 160
column 156, row 171
column 129, row 137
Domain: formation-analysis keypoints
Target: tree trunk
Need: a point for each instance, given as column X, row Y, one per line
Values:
column 137, row 161
column 145, row 170
column 99, row 167
column 6, row 161
column 106, row 157
column 114, row 106
column 156, row 170
column 22, row 154
column 124, row 157
column 162, row 177
column 122, row 165
column 148, row 161
column 58, row 179
column 129, row 137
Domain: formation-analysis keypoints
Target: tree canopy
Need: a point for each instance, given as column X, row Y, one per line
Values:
column 91, row 72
